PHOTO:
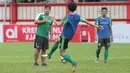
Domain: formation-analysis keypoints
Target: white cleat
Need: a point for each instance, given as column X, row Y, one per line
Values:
column 96, row 60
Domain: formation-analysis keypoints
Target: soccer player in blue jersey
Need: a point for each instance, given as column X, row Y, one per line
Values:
column 104, row 36
column 70, row 22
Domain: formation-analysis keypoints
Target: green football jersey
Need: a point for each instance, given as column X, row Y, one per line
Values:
column 43, row 28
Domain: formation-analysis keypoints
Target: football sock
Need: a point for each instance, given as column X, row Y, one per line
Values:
column 55, row 46
column 105, row 54
column 97, row 53
column 68, row 59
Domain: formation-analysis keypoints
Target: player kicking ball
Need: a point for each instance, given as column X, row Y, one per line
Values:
column 104, row 36
column 70, row 22
column 55, row 46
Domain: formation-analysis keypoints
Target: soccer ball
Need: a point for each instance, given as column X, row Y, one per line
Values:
column 63, row 60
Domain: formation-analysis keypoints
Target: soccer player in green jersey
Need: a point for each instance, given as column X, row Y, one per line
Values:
column 104, row 36
column 44, row 23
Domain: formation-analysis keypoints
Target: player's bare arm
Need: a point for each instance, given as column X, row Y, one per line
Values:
column 111, row 34
column 57, row 23
column 96, row 37
column 87, row 22
column 39, row 22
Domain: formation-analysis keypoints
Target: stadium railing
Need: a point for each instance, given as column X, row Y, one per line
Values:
column 118, row 11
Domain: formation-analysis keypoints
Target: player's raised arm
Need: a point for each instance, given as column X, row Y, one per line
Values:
column 57, row 23
column 38, row 19
column 96, row 23
column 63, row 21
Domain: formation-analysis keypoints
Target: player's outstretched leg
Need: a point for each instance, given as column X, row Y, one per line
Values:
column 55, row 46
column 68, row 59
column 105, row 55
column 53, row 49
column 97, row 54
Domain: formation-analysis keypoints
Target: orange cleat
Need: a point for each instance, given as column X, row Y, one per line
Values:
column 74, row 67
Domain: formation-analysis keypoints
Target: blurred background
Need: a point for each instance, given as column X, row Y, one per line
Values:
column 63, row 1
column 23, row 12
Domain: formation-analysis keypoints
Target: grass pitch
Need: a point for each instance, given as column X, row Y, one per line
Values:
column 18, row 58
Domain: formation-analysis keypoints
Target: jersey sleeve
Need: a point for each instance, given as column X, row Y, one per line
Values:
column 64, row 20
column 96, row 22
column 82, row 19
column 38, row 17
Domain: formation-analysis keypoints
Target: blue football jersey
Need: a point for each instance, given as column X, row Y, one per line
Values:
column 70, row 25
column 106, row 23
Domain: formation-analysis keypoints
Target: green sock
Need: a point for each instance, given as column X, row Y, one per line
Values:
column 55, row 46
column 105, row 55
column 68, row 59
column 97, row 53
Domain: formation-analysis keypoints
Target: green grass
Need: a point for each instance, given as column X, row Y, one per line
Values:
column 18, row 58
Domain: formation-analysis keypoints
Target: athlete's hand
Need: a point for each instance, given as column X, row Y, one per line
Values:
column 111, row 39
column 96, row 39
column 100, row 27
column 53, row 18
column 45, row 20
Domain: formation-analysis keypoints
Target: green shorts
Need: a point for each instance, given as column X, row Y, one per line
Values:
column 63, row 42
column 41, row 42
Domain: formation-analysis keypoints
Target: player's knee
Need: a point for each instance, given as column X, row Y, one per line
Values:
column 108, row 45
column 43, row 52
column 62, row 52
column 57, row 42
column 99, row 47
column 37, row 51
column 36, row 54
column 106, row 48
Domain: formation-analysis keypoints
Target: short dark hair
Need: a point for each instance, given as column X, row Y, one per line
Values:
column 72, row 6
column 104, row 8
column 46, row 6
